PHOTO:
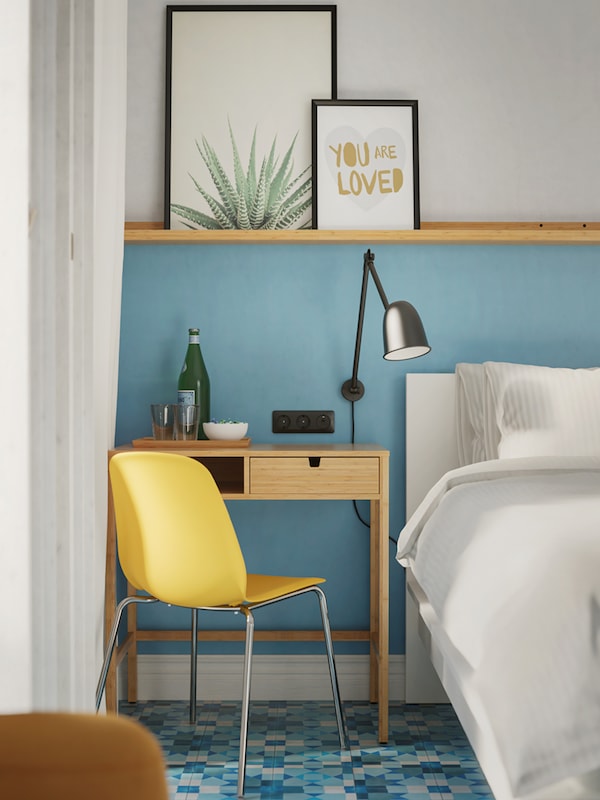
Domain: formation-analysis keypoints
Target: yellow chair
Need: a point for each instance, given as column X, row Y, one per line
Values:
column 176, row 542
column 67, row 756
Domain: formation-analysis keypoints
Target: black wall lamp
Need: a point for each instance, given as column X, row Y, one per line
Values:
column 403, row 333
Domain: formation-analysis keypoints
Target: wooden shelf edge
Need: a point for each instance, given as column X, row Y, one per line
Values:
column 429, row 233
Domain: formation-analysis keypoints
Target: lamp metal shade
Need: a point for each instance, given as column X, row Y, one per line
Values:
column 403, row 332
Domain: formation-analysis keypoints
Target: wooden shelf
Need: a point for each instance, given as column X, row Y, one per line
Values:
column 429, row 233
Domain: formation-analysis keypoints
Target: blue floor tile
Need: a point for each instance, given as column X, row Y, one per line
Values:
column 294, row 753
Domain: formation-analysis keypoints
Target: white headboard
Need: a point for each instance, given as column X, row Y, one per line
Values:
column 431, row 447
column 431, row 450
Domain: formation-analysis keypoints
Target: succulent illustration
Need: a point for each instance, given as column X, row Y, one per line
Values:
column 269, row 198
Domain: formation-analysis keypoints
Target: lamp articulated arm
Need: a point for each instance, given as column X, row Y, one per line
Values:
column 403, row 333
column 353, row 389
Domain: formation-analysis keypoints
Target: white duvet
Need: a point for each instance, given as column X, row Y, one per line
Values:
column 508, row 554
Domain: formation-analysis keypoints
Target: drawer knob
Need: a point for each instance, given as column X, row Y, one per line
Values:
column 314, row 461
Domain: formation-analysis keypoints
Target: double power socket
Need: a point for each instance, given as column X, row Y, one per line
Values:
column 303, row 421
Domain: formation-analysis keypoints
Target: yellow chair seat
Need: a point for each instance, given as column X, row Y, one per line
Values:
column 262, row 588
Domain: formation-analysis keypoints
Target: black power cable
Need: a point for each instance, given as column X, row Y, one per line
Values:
column 356, row 511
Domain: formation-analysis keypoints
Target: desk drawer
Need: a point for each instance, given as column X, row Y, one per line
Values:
column 328, row 477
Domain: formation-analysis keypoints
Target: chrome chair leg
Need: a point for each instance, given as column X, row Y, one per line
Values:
column 110, row 646
column 245, row 699
column 194, row 666
column 339, row 712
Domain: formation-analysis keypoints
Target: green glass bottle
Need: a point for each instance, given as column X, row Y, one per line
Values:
column 194, row 383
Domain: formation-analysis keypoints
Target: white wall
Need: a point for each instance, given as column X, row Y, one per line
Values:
column 15, row 492
column 508, row 100
column 62, row 136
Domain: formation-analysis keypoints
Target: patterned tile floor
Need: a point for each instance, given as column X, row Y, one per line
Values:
column 293, row 752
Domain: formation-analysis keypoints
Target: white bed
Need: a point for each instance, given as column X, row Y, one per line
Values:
column 502, row 554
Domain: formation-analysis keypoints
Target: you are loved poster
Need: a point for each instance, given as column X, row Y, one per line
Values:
column 365, row 164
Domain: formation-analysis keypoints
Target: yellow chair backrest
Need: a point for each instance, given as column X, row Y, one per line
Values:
column 175, row 537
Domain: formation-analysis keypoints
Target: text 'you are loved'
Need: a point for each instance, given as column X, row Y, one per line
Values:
column 366, row 170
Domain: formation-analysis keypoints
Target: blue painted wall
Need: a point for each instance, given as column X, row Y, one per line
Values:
column 277, row 327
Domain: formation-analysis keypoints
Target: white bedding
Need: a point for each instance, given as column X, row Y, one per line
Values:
column 508, row 554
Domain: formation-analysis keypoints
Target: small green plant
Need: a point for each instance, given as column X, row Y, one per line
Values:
column 268, row 198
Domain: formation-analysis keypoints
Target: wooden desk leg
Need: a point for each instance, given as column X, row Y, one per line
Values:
column 374, row 605
column 379, row 661
column 110, row 601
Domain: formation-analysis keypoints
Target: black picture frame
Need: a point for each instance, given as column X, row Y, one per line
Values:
column 365, row 164
column 239, row 85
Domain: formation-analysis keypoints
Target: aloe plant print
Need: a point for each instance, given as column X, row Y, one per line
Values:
column 267, row 198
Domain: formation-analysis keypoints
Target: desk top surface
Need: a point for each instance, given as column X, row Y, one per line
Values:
column 229, row 449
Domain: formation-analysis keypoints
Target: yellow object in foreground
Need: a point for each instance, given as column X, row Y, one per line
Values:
column 62, row 756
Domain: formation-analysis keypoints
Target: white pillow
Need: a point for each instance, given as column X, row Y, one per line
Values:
column 541, row 411
column 470, row 413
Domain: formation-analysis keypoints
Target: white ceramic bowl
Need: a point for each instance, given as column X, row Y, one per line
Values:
column 225, row 430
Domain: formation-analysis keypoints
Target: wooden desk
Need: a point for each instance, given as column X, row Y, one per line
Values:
column 282, row 472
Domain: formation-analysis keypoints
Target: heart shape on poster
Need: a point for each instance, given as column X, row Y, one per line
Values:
column 366, row 170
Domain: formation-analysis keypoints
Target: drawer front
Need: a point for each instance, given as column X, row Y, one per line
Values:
column 328, row 477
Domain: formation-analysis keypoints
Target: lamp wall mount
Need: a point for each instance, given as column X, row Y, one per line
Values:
column 353, row 390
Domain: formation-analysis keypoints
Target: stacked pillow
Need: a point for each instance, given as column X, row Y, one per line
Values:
column 518, row 410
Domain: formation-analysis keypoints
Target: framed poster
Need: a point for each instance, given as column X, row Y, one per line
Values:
column 365, row 164
column 239, row 85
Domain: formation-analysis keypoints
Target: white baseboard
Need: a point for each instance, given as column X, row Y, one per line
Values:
column 288, row 677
